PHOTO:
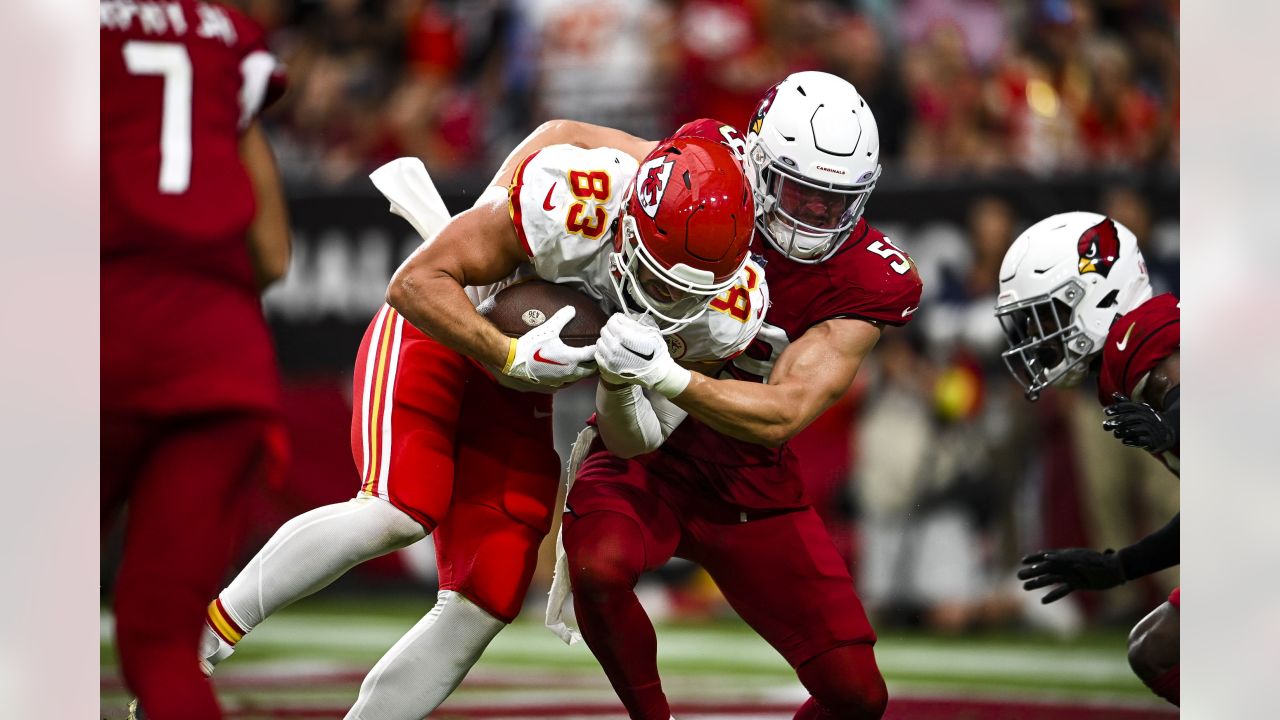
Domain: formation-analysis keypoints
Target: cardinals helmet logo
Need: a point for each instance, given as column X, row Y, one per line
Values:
column 1099, row 247
column 757, row 120
column 651, row 184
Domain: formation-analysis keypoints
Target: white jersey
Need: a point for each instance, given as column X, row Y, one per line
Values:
column 564, row 203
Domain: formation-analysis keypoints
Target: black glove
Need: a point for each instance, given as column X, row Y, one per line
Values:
column 1139, row 425
column 1070, row 569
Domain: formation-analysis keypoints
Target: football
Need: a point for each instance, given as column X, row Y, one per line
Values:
column 517, row 309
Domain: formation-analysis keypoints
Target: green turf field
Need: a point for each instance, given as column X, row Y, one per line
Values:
column 314, row 654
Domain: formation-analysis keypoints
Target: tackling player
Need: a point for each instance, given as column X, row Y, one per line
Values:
column 722, row 488
column 443, row 447
column 1074, row 289
column 193, row 227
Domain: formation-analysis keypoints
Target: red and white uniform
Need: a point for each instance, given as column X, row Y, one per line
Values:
column 190, row 396
column 1137, row 342
column 427, row 415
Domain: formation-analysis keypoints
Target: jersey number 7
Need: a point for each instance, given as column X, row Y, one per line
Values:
column 170, row 61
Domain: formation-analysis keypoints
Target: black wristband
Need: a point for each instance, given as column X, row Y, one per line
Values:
column 1153, row 553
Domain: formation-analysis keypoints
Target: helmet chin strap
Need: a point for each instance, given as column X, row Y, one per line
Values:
column 784, row 235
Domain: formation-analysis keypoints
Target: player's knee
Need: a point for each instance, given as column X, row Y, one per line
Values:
column 384, row 527
column 606, row 554
column 1153, row 644
column 846, row 683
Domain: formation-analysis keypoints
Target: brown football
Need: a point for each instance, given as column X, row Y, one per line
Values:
column 517, row 309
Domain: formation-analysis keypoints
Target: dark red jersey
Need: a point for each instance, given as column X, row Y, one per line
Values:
column 868, row 278
column 182, row 326
column 1137, row 342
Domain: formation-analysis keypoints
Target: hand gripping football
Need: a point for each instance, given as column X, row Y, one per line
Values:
column 517, row 309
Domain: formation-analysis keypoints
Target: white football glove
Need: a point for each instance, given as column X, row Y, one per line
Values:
column 632, row 353
column 542, row 358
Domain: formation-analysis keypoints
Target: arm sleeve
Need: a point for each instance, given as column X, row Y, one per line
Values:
column 630, row 423
column 1153, row 553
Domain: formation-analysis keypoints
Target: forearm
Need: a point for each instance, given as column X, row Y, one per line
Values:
column 754, row 412
column 436, row 304
column 628, row 421
column 268, row 236
column 1153, row 553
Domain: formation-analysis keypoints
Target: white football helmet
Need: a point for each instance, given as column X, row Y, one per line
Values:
column 1063, row 282
column 815, row 154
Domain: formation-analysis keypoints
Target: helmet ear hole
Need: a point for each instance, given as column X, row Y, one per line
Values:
column 1109, row 299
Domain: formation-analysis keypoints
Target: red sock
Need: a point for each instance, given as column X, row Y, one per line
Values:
column 606, row 557
column 1168, row 685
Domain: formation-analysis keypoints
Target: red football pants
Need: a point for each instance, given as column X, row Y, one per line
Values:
column 433, row 434
column 780, row 572
column 183, row 480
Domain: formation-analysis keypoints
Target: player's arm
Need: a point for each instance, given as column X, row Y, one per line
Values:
column 476, row 247
column 1072, row 569
column 1153, row 425
column 809, row 377
column 632, row 422
column 268, row 237
column 480, row 247
column 571, row 132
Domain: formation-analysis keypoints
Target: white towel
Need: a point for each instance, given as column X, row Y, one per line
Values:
column 406, row 183
column 560, row 595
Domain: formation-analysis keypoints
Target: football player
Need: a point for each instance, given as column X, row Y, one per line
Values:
column 699, row 467
column 193, row 227
column 444, row 440
column 1074, row 290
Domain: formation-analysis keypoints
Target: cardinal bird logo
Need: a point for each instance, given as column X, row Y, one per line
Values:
column 757, row 120
column 651, row 184
column 1099, row 247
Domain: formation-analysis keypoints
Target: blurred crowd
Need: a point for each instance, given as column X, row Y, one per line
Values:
column 958, row 86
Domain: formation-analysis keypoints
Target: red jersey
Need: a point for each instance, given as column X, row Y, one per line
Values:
column 1137, row 342
column 868, row 278
column 182, row 325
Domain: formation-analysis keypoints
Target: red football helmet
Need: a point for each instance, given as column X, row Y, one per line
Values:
column 686, row 229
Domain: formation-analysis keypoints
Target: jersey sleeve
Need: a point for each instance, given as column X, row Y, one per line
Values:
column 263, row 78
column 1137, row 342
column 870, row 279
column 729, row 324
column 564, row 200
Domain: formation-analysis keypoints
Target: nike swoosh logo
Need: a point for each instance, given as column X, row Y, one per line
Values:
column 537, row 355
column 908, row 311
column 546, row 204
column 637, row 354
column 1125, row 342
column 541, row 414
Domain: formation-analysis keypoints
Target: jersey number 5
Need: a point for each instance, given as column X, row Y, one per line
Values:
column 885, row 249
